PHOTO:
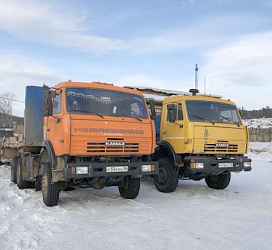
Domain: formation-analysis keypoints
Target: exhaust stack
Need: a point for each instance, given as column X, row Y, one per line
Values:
column 195, row 91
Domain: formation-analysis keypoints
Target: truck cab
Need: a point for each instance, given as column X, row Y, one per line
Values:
column 99, row 119
column 87, row 135
column 200, row 137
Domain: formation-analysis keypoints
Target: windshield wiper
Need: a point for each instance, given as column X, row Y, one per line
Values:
column 204, row 119
column 137, row 118
column 226, row 118
column 91, row 113
column 98, row 114
column 200, row 117
column 230, row 120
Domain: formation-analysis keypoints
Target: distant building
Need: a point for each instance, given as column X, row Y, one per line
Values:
column 157, row 95
column 11, row 129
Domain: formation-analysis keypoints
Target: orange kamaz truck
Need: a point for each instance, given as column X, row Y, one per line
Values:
column 87, row 135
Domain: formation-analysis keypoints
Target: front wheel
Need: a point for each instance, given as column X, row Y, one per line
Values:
column 220, row 181
column 129, row 188
column 50, row 190
column 167, row 179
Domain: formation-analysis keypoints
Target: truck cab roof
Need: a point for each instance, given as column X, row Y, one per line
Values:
column 197, row 98
column 97, row 85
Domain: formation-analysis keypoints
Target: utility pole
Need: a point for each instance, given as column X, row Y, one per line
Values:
column 205, row 81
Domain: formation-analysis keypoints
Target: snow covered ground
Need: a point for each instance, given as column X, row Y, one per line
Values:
column 194, row 217
column 258, row 123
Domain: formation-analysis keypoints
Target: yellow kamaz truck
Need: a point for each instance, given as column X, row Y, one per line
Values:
column 199, row 137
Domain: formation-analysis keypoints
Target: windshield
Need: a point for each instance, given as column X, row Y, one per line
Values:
column 203, row 111
column 105, row 103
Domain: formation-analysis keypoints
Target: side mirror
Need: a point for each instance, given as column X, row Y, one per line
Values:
column 48, row 102
column 179, row 123
column 152, row 110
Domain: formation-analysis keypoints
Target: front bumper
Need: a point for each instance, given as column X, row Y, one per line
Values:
column 94, row 170
column 215, row 165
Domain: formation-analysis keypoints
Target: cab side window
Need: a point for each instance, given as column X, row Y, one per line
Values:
column 180, row 113
column 57, row 105
column 172, row 112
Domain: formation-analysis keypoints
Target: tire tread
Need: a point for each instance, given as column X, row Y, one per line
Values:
column 218, row 182
column 172, row 181
column 129, row 187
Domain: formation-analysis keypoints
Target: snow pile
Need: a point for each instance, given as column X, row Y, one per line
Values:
column 261, row 150
column 194, row 217
column 258, row 123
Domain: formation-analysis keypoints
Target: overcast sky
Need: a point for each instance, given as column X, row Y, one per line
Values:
column 154, row 43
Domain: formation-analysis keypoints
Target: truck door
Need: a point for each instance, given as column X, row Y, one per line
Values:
column 55, row 130
column 173, row 127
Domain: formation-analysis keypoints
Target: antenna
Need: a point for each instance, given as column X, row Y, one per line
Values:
column 195, row 90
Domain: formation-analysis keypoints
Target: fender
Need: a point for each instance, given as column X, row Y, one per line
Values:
column 165, row 147
column 48, row 147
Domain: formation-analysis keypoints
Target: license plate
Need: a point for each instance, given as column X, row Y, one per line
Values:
column 82, row 170
column 225, row 165
column 117, row 169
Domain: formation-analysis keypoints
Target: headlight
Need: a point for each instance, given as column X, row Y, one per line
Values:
column 197, row 165
column 247, row 164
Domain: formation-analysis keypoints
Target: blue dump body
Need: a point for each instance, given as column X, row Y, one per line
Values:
column 34, row 113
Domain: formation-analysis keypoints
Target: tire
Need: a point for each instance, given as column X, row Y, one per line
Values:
column 220, row 181
column 13, row 170
column 21, row 183
column 129, row 188
column 167, row 179
column 38, row 183
column 50, row 191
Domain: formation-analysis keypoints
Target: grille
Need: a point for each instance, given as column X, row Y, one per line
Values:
column 112, row 146
column 221, row 146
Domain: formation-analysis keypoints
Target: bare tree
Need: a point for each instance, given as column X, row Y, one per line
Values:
column 6, row 103
column 6, row 109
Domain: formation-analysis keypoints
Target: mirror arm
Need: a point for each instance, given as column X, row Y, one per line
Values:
column 56, row 118
column 152, row 109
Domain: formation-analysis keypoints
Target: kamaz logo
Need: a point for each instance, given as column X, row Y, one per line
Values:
column 115, row 143
column 222, row 145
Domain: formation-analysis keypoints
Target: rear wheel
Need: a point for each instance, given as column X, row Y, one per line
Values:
column 167, row 179
column 13, row 170
column 220, row 181
column 129, row 188
column 38, row 183
column 21, row 183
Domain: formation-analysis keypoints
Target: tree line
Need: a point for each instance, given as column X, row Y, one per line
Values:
column 256, row 113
